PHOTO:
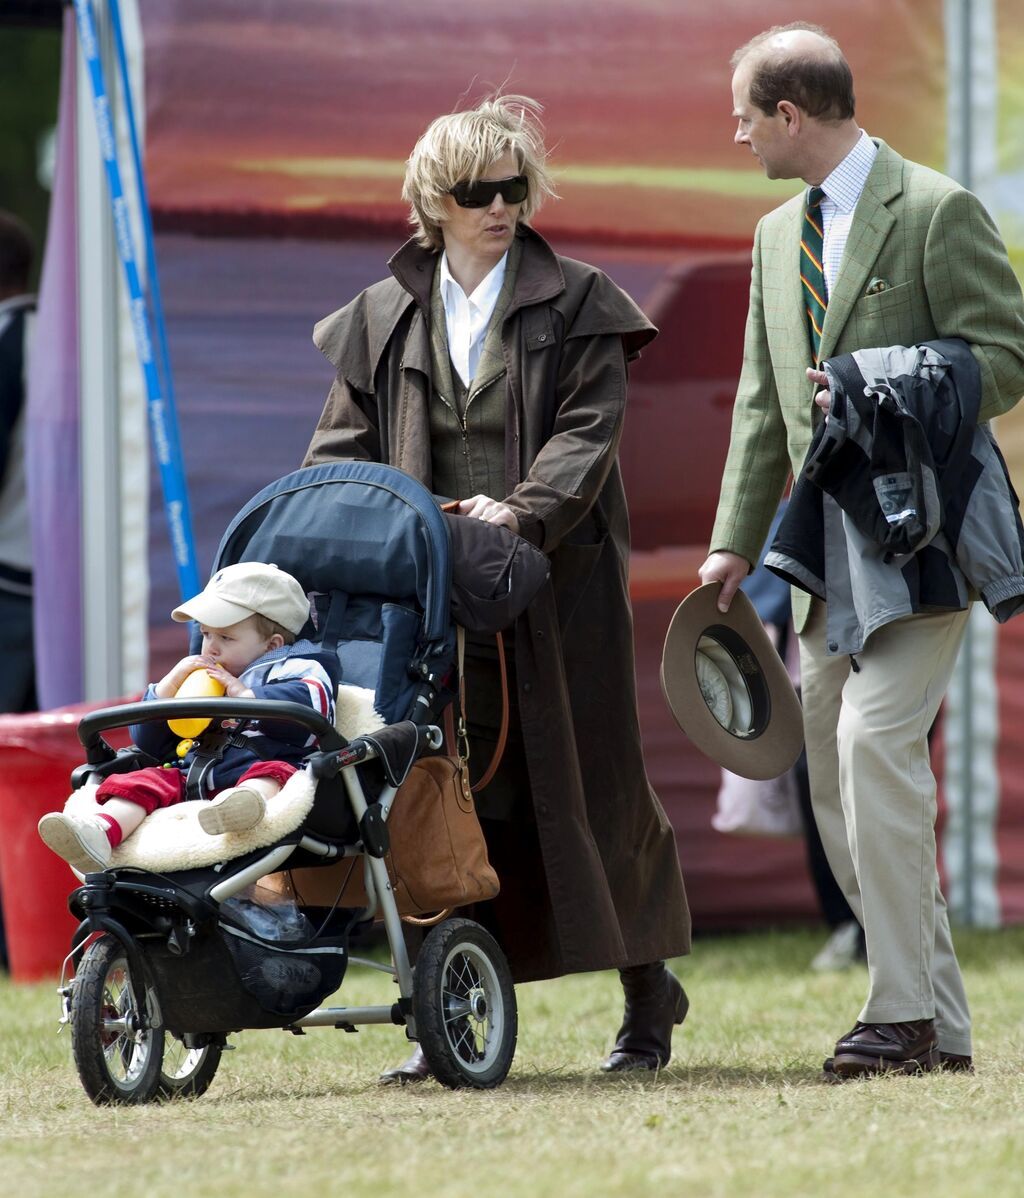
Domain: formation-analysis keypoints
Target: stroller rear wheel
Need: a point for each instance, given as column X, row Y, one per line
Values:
column 465, row 1006
column 116, row 1036
column 187, row 1072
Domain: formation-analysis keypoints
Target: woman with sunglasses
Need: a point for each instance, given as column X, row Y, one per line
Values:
column 494, row 371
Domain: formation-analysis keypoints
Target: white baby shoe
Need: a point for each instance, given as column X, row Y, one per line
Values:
column 82, row 841
column 235, row 810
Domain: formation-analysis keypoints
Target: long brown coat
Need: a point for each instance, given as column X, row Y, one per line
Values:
column 608, row 853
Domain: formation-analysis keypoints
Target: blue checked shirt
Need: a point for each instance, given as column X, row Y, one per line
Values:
column 842, row 190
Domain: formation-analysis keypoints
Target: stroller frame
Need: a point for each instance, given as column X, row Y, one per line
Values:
column 117, row 904
column 161, row 963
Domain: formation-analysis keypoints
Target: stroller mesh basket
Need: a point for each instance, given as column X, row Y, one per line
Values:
column 237, row 981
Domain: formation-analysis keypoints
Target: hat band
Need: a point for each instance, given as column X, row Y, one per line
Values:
column 747, row 710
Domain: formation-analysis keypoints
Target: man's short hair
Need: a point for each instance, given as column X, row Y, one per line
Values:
column 17, row 251
column 819, row 84
column 462, row 146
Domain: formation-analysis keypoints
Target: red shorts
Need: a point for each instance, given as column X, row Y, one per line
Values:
column 156, row 787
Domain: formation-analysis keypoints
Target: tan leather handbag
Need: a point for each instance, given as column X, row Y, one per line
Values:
column 438, row 855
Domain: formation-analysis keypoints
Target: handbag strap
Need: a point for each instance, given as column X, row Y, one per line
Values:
column 458, row 737
column 427, row 921
column 499, row 748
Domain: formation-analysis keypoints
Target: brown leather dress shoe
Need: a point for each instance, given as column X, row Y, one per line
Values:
column 655, row 1002
column 873, row 1048
column 955, row 1062
column 949, row 1062
column 415, row 1069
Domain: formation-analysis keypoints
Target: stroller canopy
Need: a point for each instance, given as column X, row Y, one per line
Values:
column 359, row 527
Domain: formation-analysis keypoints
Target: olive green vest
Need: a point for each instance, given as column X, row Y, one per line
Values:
column 467, row 424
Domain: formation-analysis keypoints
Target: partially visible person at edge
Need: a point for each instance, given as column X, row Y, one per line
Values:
column 494, row 371
column 908, row 256
column 17, row 312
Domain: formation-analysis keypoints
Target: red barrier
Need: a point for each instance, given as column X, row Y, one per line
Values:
column 37, row 754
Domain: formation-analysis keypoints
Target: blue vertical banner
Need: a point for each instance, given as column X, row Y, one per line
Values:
column 162, row 413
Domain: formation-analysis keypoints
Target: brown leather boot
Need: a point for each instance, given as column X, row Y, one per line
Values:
column 872, row 1048
column 415, row 1069
column 655, row 1002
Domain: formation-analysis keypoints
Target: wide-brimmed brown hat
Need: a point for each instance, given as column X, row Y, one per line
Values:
column 727, row 687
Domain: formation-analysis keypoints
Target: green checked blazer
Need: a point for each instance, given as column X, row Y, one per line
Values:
column 923, row 260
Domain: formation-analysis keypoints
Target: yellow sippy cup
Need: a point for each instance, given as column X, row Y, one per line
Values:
column 198, row 685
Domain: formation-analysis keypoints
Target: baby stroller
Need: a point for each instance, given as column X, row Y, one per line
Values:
column 167, row 963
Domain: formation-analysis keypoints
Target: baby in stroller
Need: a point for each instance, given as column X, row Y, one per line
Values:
column 250, row 616
column 172, row 953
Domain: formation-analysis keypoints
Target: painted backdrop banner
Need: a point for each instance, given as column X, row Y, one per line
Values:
column 277, row 135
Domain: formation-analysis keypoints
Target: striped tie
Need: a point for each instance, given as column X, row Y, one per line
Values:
column 812, row 274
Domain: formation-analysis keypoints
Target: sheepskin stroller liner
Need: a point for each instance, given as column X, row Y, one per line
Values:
column 179, row 963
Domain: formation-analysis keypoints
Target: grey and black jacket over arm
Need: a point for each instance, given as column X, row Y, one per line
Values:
column 904, row 504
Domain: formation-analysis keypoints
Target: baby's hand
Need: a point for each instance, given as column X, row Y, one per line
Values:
column 233, row 688
column 167, row 687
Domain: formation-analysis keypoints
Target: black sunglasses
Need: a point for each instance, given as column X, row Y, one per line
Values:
column 481, row 194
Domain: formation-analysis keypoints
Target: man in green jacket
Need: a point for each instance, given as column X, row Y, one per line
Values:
column 878, row 251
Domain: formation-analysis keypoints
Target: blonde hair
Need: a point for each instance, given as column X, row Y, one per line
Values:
column 461, row 146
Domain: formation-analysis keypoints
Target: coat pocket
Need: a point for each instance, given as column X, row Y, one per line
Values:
column 890, row 317
column 572, row 567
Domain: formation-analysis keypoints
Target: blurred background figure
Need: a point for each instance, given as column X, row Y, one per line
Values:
column 17, row 660
column 17, row 305
column 782, row 806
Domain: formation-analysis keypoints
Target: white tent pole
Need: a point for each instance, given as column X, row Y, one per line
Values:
column 134, row 428
column 971, row 776
column 99, row 395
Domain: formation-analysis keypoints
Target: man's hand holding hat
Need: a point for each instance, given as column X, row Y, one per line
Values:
column 727, row 568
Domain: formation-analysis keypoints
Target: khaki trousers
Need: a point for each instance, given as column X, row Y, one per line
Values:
column 873, row 794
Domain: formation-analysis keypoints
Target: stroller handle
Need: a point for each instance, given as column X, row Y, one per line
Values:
column 91, row 726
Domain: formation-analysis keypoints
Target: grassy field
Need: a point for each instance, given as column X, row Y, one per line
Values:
column 740, row 1111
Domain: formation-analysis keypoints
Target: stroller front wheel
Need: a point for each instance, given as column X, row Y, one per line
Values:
column 187, row 1072
column 116, row 1040
column 465, row 1006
